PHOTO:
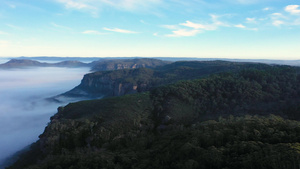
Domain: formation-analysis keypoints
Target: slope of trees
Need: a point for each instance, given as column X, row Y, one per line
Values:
column 273, row 90
column 115, row 64
column 233, row 142
column 128, row 81
column 221, row 121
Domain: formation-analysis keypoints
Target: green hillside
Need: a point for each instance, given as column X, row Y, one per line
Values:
column 115, row 64
column 243, row 119
column 128, row 81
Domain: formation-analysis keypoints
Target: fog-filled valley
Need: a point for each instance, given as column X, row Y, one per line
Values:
column 152, row 84
column 24, row 110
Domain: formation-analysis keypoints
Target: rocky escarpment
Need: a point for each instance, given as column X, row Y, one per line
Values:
column 128, row 81
column 117, row 64
column 110, row 83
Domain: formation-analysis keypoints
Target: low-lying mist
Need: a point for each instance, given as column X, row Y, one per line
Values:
column 24, row 110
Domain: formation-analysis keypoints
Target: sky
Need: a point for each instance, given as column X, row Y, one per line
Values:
column 245, row 29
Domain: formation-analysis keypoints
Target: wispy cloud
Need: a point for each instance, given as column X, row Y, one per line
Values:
column 278, row 19
column 195, row 28
column 12, row 6
column 245, row 2
column 199, row 26
column 184, row 32
column 170, row 26
column 266, row 9
column 119, row 30
column 94, row 6
column 251, row 20
column 93, row 32
column 3, row 33
column 14, row 27
column 60, row 26
column 277, row 22
column 240, row 26
column 131, row 4
column 245, row 27
column 293, row 9
column 77, row 4
column 277, row 14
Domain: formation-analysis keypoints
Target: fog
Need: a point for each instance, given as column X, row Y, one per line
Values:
column 24, row 111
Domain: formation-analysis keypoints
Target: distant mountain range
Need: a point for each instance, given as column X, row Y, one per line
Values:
column 99, row 65
column 108, row 60
column 23, row 63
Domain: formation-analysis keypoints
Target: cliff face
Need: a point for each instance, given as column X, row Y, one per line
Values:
column 109, row 86
column 117, row 64
column 128, row 81
column 104, row 84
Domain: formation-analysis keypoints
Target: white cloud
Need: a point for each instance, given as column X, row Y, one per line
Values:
column 119, row 30
column 245, row 28
column 277, row 14
column 79, row 4
column 266, row 9
column 170, row 26
column 195, row 27
column 277, row 23
column 198, row 26
column 240, row 26
column 183, row 33
column 251, row 20
column 93, row 32
column 293, row 9
column 216, row 22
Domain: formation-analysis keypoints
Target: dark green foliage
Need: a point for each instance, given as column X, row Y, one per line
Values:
column 235, row 142
column 274, row 90
column 128, row 81
column 221, row 121
column 115, row 64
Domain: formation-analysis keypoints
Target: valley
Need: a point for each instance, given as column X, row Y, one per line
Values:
column 242, row 114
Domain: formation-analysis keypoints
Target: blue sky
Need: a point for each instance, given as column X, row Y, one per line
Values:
column 247, row 29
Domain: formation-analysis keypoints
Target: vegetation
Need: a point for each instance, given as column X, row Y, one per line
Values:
column 115, row 64
column 234, row 142
column 128, row 81
column 242, row 119
column 273, row 90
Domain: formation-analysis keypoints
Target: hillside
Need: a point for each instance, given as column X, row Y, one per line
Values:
column 220, row 121
column 116, row 64
column 127, row 81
